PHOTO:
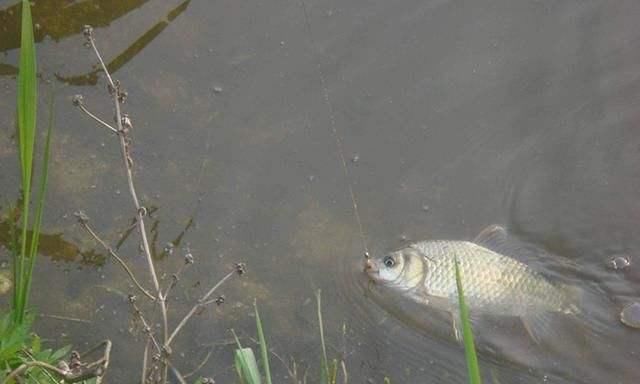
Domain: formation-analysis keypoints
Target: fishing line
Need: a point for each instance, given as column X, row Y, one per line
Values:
column 334, row 131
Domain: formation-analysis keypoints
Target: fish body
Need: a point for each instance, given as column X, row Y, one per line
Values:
column 507, row 297
column 493, row 282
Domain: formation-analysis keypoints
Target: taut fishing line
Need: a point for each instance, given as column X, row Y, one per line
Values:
column 334, row 131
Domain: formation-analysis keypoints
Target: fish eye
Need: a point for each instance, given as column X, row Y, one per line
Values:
column 389, row 262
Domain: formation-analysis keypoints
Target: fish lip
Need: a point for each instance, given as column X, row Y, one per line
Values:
column 372, row 270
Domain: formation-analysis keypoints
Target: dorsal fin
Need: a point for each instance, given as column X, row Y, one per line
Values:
column 496, row 238
column 493, row 234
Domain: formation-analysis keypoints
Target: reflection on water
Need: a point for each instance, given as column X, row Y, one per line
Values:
column 59, row 19
column 518, row 113
column 54, row 246
column 138, row 45
column 51, row 245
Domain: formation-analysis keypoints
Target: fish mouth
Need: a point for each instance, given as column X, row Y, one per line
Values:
column 371, row 269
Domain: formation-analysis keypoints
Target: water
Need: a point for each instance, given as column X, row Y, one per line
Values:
column 521, row 114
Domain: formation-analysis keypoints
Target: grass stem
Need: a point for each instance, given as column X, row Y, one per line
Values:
column 467, row 334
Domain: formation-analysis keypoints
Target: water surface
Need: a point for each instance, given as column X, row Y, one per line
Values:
column 460, row 114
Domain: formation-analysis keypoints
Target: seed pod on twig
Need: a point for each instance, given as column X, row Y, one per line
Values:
column 241, row 268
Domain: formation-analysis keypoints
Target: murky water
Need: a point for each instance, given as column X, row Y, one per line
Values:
column 457, row 115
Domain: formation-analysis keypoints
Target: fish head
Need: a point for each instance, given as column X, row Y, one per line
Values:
column 403, row 269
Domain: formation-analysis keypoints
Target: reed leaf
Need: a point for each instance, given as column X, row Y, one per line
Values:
column 27, row 95
column 27, row 111
column 264, row 352
column 37, row 224
column 324, row 364
column 245, row 364
column 467, row 334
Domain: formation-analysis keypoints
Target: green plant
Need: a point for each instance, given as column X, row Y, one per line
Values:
column 26, row 246
column 264, row 352
column 13, row 338
column 467, row 334
column 245, row 360
column 328, row 373
column 18, row 346
column 247, row 366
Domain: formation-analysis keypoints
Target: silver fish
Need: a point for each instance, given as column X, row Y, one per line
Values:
column 494, row 283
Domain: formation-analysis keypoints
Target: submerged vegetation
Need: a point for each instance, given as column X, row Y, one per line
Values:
column 247, row 366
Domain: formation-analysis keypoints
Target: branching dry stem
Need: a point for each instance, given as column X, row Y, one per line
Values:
column 85, row 224
column 155, row 363
column 123, row 129
column 177, row 374
column 78, row 102
column 147, row 328
column 145, row 360
column 201, row 303
column 188, row 260
column 75, row 370
column 199, row 367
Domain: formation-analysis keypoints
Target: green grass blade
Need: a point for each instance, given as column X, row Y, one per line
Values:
column 27, row 111
column 263, row 346
column 14, row 249
column 27, row 93
column 467, row 334
column 324, row 364
column 333, row 372
column 44, row 179
column 245, row 364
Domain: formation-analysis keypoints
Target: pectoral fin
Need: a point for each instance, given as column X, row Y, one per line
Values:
column 456, row 324
column 538, row 326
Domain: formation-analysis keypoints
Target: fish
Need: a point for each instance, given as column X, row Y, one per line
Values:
column 494, row 283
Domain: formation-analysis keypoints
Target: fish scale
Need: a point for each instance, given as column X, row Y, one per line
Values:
column 493, row 282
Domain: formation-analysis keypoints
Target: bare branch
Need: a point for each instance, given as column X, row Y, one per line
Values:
column 83, row 220
column 199, row 367
column 201, row 302
column 155, row 362
column 75, row 370
column 145, row 361
column 188, row 260
column 344, row 372
column 147, row 328
column 14, row 374
column 124, row 127
column 78, row 101
column 177, row 373
column 65, row 318
column 101, row 364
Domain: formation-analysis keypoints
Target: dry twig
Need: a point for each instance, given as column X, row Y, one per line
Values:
column 154, row 369
column 84, row 222
column 74, row 370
